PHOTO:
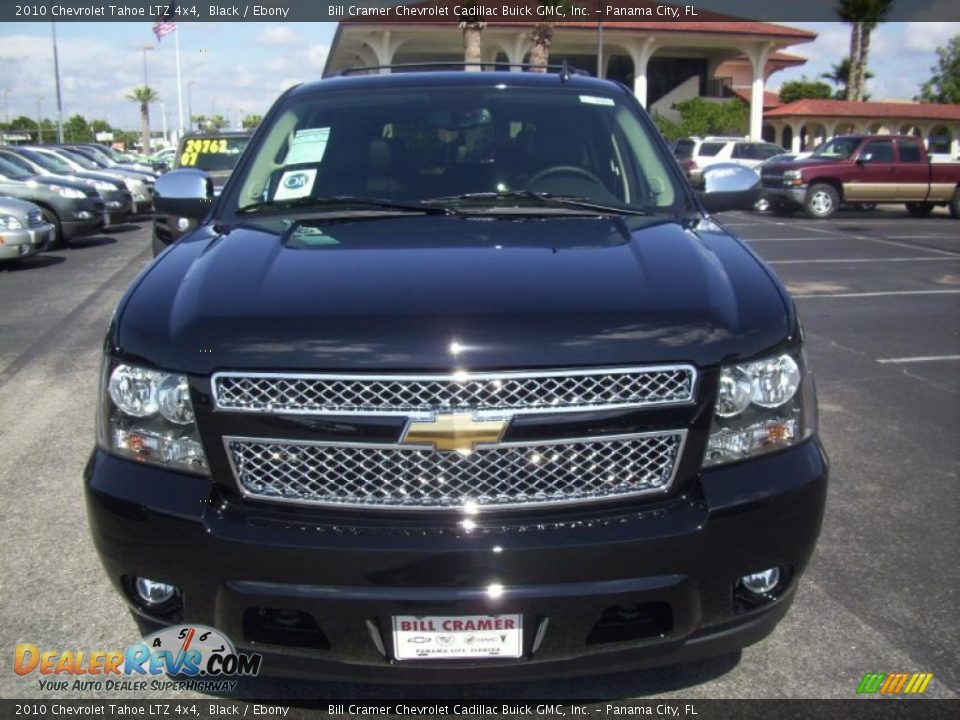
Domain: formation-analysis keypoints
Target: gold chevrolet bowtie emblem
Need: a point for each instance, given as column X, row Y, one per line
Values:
column 458, row 432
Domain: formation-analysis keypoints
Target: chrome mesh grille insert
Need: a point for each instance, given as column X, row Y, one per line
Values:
column 548, row 391
column 496, row 476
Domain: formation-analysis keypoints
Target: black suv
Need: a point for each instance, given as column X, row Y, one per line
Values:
column 458, row 380
column 216, row 153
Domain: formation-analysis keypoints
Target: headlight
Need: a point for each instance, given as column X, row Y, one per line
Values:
column 147, row 415
column 104, row 186
column 761, row 406
column 792, row 177
column 68, row 192
column 9, row 222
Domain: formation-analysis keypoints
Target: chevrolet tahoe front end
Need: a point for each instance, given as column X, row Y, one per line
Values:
column 535, row 427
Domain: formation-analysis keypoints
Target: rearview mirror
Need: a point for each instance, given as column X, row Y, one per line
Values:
column 727, row 186
column 185, row 193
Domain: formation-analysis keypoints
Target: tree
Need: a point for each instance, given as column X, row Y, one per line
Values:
column 472, row 41
column 863, row 16
column 251, row 121
column 702, row 117
column 839, row 75
column 77, row 129
column 944, row 85
column 804, row 88
column 542, row 34
column 144, row 95
column 217, row 122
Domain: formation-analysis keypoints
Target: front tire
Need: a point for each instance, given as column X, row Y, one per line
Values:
column 955, row 205
column 781, row 209
column 822, row 202
column 58, row 241
column 919, row 209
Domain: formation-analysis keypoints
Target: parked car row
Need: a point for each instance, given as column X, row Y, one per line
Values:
column 78, row 189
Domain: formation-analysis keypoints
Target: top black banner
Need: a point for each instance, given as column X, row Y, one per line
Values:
column 444, row 11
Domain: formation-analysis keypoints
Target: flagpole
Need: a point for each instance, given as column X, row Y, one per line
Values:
column 176, row 42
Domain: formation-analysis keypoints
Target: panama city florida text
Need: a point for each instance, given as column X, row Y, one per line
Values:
column 513, row 709
column 493, row 12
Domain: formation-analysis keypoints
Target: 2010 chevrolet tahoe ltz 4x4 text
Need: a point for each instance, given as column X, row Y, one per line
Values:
column 457, row 380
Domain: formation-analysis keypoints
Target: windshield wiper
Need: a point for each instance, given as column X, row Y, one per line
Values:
column 347, row 201
column 562, row 201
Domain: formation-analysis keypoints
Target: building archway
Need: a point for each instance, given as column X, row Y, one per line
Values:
column 939, row 140
column 786, row 138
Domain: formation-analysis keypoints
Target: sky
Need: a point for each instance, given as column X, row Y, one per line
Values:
column 240, row 68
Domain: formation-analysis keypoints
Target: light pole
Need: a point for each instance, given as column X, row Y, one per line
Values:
column 190, row 104
column 163, row 118
column 6, row 113
column 56, row 75
column 145, row 48
column 39, row 120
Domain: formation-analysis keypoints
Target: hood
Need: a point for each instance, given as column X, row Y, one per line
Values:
column 782, row 167
column 395, row 294
column 18, row 208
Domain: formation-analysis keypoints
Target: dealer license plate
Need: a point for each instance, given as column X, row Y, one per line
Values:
column 460, row 636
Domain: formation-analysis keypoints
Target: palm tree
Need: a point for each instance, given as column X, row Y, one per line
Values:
column 144, row 95
column 542, row 37
column 471, row 38
column 839, row 75
column 863, row 16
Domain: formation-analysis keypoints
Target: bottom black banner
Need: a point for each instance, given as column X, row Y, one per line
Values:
column 858, row 709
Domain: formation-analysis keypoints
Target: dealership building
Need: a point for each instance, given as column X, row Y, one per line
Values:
column 664, row 62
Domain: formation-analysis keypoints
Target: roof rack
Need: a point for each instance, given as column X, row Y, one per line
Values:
column 564, row 70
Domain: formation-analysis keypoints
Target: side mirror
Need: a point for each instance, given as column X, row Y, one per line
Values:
column 184, row 193
column 727, row 186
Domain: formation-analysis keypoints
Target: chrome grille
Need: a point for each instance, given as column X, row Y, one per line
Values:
column 497, row 476
column 526, row 392
column 34, row 218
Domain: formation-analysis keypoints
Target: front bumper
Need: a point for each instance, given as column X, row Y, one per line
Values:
column 795, row 195
column 24, row 242
column 231, row 557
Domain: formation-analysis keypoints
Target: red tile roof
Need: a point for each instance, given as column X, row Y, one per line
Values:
column 846, row 108
column 771, row 99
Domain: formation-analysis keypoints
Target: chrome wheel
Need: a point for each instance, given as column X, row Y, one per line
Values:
column 821, row 202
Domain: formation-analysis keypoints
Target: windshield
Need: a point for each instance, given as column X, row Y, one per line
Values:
column 838, row 148
column 212, row 154
column 9, row 170
column 441, row 143
column 48, row 163
column 78, row 159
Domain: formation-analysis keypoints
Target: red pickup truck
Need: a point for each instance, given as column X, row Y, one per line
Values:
column 863, row 169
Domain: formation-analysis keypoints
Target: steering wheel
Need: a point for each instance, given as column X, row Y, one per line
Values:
column 564, row 170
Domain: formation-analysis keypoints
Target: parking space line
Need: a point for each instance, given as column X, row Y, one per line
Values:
column 919, row 359
column 810, row 228
column 861, row 260
column 788, row 239
column 888, row 293
column 925, row 248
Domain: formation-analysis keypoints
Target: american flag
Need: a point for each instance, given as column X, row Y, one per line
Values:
column 163, row 27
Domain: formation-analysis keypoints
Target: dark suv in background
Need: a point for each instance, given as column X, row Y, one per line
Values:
column 215, row 153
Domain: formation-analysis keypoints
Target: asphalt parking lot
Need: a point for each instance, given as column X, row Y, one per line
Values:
column 879, row 294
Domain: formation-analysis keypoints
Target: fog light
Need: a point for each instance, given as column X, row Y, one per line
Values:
column 762, row 582
column 183, row 224
column 83, row 215
column 152, row 592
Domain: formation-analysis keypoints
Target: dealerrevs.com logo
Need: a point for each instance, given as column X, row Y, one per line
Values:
column 190, row 657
